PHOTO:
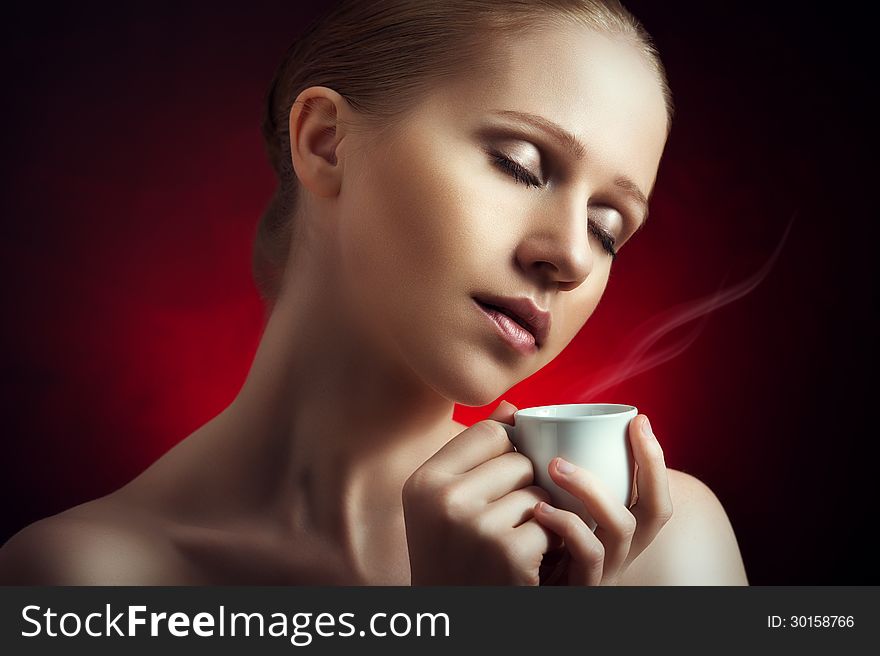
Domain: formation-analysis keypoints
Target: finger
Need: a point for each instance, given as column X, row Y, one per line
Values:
column 615, row 524
column 514, row 508
column 654, row 505
column 497, row 477
column 532, row 537
column 587, row 552
column 503, row 412
column 475, row 445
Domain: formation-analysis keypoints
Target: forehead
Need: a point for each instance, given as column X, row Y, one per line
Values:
column 600, row 88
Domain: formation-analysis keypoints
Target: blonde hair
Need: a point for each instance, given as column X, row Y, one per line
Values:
column 382, row 56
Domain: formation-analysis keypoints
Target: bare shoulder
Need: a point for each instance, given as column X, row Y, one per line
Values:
column 92, row 544
column 697, row 546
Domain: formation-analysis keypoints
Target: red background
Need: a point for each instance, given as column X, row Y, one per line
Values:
column 134, row 174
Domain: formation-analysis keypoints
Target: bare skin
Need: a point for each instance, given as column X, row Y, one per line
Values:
column 316, row 473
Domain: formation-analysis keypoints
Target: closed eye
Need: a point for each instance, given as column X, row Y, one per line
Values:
column 522, row 175
column 518, row 171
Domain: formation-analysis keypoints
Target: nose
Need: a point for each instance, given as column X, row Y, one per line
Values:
column 557, row 250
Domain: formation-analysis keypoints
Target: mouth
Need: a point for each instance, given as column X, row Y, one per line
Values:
column 519, row 319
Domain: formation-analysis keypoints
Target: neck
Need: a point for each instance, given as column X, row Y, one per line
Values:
column 333, row 424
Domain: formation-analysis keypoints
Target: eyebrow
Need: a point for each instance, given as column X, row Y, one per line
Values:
column 577, row 150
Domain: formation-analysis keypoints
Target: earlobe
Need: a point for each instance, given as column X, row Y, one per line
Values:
column 315, row 135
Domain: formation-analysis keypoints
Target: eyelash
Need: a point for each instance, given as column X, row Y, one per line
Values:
column 524, row 176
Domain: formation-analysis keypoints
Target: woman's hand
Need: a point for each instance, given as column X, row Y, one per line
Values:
column 468, row 511
column 621, row 534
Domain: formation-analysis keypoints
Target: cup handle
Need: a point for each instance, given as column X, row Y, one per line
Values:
column 511, row 432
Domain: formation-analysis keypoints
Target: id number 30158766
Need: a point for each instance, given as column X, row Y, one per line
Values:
column 810, row 622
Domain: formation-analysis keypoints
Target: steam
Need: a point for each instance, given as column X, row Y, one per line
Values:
column 640, row 358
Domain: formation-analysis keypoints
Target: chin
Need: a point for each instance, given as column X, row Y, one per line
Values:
column 478, row 398
column 474, row 381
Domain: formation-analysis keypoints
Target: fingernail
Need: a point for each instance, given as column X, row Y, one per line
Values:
column 547, row 508
column 646, row 428
column 564, row 467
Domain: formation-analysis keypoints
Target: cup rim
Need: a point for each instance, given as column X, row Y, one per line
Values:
column 619, row 409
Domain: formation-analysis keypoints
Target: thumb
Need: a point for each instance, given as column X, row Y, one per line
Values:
column 504, row 413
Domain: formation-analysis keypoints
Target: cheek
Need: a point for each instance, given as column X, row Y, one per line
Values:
column 405, row 237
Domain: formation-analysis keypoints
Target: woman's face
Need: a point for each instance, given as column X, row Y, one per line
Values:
column 437, row 217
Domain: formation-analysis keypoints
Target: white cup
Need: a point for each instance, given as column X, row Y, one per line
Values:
column 594, row 436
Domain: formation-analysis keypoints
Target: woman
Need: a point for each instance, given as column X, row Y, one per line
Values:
column 432, row 158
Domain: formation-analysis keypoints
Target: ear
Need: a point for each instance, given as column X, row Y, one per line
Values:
column 315, row 137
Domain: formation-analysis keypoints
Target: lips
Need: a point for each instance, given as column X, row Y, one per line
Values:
column 523, row 311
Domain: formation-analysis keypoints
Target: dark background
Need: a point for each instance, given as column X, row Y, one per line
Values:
column 134, row 174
